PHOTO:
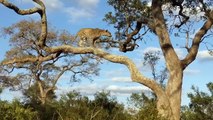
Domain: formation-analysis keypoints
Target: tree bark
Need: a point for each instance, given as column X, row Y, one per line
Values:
column 169, row 105
column 171, row 109
column 43, row 94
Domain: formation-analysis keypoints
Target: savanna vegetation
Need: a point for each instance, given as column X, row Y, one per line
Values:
column 104, row 106
column 40, row 55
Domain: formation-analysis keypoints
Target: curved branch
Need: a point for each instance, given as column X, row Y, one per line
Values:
column 193, row 50
column 17, row 10
column 41, row 11
column 43, row 36
column 127, row 46
column 136, row 76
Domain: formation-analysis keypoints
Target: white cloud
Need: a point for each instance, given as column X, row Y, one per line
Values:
column 179, row 52
column 10, row 95
column 91, row 89
column 88, row 4
column 121, row 79
column 204, row 56
column 119, row 71
column 191, row 71
column 50, row 4
column 154, row 49
column 74, row 9
column 76, row 14
column 83, row 9
column 53, row 4
column 126, row 89
column 151, row 49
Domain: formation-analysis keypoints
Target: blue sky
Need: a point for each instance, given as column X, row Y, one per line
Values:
column 73, row 15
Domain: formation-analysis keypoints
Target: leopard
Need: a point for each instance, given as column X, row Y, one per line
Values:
column 89, row 36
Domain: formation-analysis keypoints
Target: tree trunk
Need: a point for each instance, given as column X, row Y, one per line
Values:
column 169, row 105
column 43, row 100
column 43, row 94
column 164, row 108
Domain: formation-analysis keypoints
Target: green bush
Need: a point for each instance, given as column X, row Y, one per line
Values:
column 16, row 111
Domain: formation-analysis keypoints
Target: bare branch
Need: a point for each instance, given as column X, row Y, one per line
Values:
column 64, row 69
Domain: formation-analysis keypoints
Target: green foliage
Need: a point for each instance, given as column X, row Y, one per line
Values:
column 16, row 111
column 135, row 18
column 32, row 100
column 108, row 106
column 126, row 12
column 1, row 89
column 74, row 106
column 32, row 94
column 47, row 111
column 143, row 107
column 201, row 105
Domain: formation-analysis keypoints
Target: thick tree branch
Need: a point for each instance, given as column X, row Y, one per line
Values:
column 55, row 52
column 32, row 59
column 193, row 50
column 173, row 88
column 43, row 36
column 17, row 10
column 126, row 46
column 135, row 73
column 163, row 35
column 41, row 11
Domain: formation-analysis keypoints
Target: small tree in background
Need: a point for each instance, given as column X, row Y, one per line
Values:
column 200, row 106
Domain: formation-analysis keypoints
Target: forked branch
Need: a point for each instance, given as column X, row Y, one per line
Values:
column 40, row 10
column 193, row 50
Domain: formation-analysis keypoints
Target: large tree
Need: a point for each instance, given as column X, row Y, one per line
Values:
column 133, row 19
column 41, row 75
